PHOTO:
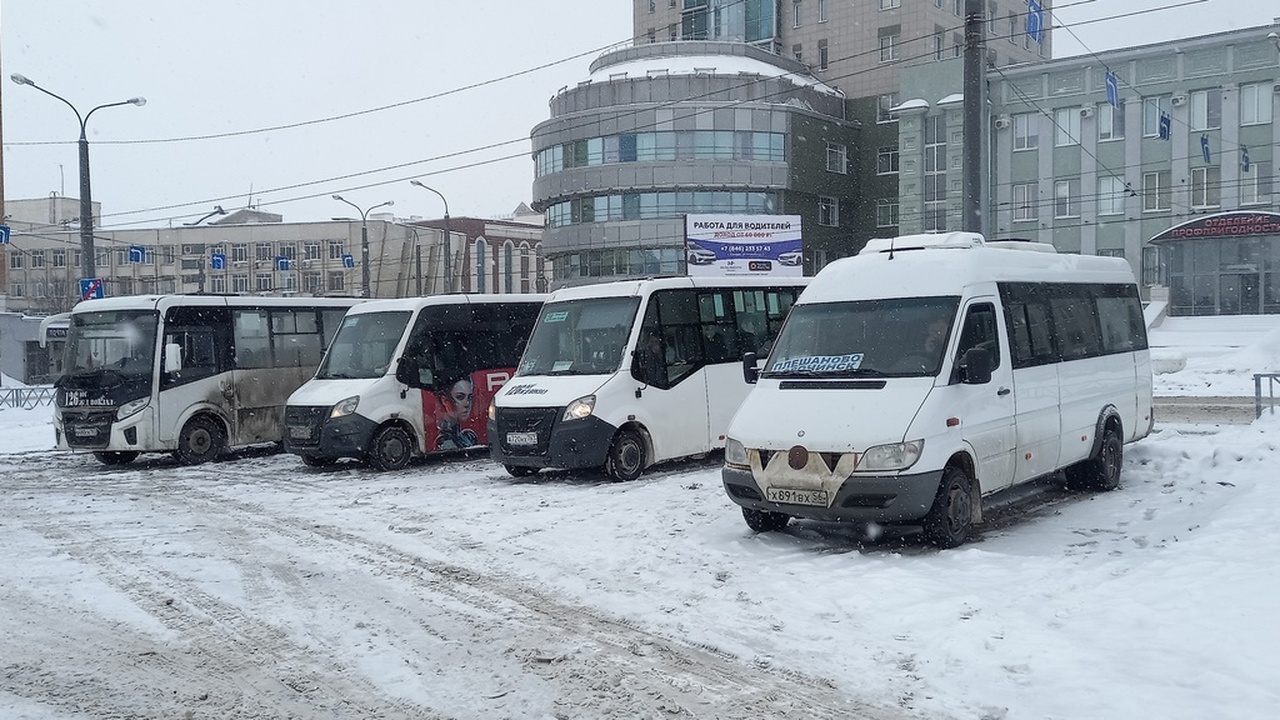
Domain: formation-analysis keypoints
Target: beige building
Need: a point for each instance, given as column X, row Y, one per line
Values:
column 857, row 46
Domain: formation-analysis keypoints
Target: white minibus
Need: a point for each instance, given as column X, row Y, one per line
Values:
column 930, row 371
column 623, row 375
column 404, row 378
column 188, row 374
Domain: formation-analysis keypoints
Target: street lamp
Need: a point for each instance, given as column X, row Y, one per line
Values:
column 87, row 261
column 448, row 255
column 364, row 238
column 217, row 210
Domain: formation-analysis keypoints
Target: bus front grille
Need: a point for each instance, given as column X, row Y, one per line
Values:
column 530, row 428
column 87, row 429
column 302, row 425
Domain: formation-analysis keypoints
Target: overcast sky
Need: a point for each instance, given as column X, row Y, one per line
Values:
column 234, row 66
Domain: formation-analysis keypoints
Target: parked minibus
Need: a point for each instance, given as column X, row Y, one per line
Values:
column 623, row 375
column 931, row 371
column 189, row 374
column 404, row 378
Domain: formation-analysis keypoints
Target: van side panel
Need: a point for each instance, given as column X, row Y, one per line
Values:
column 1088, row 386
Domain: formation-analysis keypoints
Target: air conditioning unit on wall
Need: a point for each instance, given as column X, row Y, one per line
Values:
column 1086, row 112
column 1178, row 99
column 1002, row 122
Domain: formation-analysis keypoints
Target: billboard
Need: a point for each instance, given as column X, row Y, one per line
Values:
column 724, row 245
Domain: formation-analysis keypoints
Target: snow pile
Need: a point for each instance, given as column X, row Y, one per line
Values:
column 1217, row 356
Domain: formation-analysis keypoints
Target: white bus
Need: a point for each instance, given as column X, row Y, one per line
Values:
column 930, row 371
column 409, row 377
column 187, row 374
column 623, row 375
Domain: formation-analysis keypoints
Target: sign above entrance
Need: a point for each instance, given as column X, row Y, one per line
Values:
column 1237, row 223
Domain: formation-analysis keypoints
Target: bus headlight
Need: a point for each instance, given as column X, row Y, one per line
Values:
column 493, row 410
column 896, row 456
column 131, row 408
column 580, row 408
column 344, row 407
column 735, row 454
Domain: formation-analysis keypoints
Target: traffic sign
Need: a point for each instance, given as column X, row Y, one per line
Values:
column 218, row 261
column 282, row 263
column 348, row 261
column 137, row 254
column 4, row 234
column 92, row 289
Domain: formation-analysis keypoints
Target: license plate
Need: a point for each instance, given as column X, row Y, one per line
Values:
column 522, row 438
column 85, row 432
column 791, row 496
column 299, row 433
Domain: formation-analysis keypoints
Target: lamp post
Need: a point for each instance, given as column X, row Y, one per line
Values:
column 217, row 210
column 364, row 239
column 88, row 265
column 448, row 255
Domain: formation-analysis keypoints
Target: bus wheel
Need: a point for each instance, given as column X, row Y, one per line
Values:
column 116, row 457
column 391, row 448
column 626, row 456
column 521, row 471
column 765, row 521
column 317, row 461
column 201, row 441
column 1101, row 472
column 950, row 520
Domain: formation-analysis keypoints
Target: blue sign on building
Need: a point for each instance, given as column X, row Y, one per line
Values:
column 217, row 261
column 92, row 289
column 1113, row 89
column 1035, row 21
column 4, row 234
column 137, row 254
column 348, row 261
column 282, row 263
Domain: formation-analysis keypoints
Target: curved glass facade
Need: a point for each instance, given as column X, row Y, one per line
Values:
column 654, row 205
column 743, row 146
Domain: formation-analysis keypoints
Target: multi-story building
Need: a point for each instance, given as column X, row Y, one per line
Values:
column 664, row 130
column 857, row 46
column 1175, row 176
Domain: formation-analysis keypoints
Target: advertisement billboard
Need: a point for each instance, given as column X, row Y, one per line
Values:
column 723, row 245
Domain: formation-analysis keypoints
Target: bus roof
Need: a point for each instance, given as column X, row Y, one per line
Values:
column 415, row 303
column 948, row 266
column 626, row 288
column 162, row 302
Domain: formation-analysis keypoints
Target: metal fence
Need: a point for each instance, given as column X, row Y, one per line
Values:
column 26, row 397
column 1272, row 381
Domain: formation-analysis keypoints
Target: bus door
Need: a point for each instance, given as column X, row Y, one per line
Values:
column 722, row 346
column 671, row 361
column 203, row 335
column 987, row 409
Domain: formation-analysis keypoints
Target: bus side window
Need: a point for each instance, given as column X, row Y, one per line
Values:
column 252, row 339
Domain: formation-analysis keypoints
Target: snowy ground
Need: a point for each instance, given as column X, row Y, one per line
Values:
column 255, row 587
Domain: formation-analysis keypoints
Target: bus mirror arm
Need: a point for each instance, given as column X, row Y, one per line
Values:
column 172, row 357
column 750, row 372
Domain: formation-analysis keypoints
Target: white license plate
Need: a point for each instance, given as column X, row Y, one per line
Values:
column 522, row 438
column 85, row 432
column 299, row 433
column 792, row 496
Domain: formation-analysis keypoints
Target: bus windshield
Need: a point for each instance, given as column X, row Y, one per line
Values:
column 903, row 337
column 120, row 343
column 364, row 346
column 580, row 337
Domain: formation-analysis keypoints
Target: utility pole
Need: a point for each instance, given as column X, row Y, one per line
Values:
column 975, row 112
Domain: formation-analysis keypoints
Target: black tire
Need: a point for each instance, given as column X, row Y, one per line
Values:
column 950, row 519
column 764, row 520
column 521, row 471
column 200, row 441
column 1103, row 471
column 116, row 457
column 317, row 461
column 391, row 448
column 626, row 456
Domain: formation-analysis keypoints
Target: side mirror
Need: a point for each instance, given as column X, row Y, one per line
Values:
column 407, row 372
column 172, row 357
column 975, row 366
column 750, row 372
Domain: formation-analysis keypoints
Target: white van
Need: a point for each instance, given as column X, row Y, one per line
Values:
column 409, row 377
column 623, row 375
column 928, row 372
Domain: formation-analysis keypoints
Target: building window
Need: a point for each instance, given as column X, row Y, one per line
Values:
column 239, row 252
column 37, row 258
column 288, row 250
column 337, row 282
column 1206, row 109
column 884, row 105
column 887, row 160
column 15, row 289
column 797, row 51
column 240, row 283
column 1206, row 187
column 889, row 44
column 957, row 45
column 1066, row 198
column 652, row 5
column 935, row 173
column 1110, row 121
column 828, row 211
column 335, row 250
column 1152, row 109
column 837, row 158
column 59, row 258
column 1255, row 185
column 311, row 251
column 651, row 36
column 890, row 4
column 1155, row 191
column 1024, row 132
column 1255, row 104
column 796, row 15
column 1067, row 127
column 15, row 259
column 218, row 284
column 1111, row 252
column 265, row 283
column 1025, row 198
column 1013, row 29
column 886, row 213
column 939, row 42
column 1111, row 194
column 822, row 11
column 822, row 55
column 262, row 251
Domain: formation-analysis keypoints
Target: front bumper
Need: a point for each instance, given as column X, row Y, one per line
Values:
column 575, row 444
column 861, row 498
column 310, row 431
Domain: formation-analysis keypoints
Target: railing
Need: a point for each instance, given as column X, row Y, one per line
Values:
column 26, row 397
column 1273, row 379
